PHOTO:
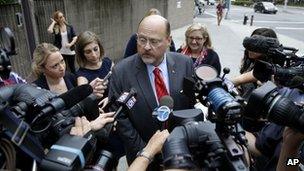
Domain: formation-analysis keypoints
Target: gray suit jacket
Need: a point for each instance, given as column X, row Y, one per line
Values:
column 138, row 126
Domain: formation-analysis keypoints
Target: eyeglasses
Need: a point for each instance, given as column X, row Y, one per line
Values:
column 142, row 41
column 198, row 39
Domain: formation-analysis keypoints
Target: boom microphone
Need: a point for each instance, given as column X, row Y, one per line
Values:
column 260, row 44
column 88, row 107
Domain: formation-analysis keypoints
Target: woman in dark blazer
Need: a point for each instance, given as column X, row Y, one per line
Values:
column 65, row 38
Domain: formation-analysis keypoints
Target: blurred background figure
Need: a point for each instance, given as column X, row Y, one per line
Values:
column 199, row 47
column 65, row 38
column 50, row 70
column 219, row 12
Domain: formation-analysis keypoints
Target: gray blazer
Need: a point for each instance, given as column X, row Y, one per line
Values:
column 138, row 126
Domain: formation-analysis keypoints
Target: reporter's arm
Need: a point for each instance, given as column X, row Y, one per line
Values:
column 244, row 78
column 251, row 144
column 51, row 26
column 292, row 140
column 83, row 126
column 153, row 147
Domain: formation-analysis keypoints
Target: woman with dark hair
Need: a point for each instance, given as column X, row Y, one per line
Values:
column 246, row 81
column 65, row 38
column 93, row 65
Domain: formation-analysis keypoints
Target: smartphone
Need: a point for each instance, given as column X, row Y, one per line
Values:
column 107, row 76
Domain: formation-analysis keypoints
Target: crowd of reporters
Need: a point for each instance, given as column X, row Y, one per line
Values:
column 269, row 143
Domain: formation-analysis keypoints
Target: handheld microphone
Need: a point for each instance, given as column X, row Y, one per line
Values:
column 125, row 101
column 260, row 44
column 162, row 113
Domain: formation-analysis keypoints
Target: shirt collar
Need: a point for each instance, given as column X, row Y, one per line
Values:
column 162, row 66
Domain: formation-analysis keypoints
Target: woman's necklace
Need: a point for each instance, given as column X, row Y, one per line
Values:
column 59, row 87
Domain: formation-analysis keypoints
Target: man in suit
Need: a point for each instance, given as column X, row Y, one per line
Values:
column 138, row 71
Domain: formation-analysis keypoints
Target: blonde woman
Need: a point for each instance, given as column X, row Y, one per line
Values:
column 65, row 38
column 198, row 47
column 49, row 68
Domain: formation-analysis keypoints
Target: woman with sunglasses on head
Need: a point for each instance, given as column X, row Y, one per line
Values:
column 93, row 68
column 49, row 68
column 199, row 47
column 93, row 65
column 65, row 38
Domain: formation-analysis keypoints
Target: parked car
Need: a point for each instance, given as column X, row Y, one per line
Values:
column 265, row 7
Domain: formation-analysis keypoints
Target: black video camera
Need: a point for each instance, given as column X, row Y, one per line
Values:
column 274, row 107
column 280, row 61
column 196, row 144
column 7, row 48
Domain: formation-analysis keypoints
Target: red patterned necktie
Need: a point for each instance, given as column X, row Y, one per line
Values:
column 160, row 86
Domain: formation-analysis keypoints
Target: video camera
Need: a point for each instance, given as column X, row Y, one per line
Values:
column 282, row 62
column 274, row 107
column 7, row 48
column 197, row 144
column 34, row 119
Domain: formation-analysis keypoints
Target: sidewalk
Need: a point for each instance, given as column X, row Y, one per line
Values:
column 227, row 41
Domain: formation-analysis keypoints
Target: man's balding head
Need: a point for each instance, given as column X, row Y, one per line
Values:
column 153, row 39
column 156, row 21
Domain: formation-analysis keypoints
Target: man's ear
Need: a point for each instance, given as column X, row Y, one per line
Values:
column 169, row 40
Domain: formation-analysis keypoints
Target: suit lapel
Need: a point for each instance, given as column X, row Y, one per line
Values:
column 172, row 75
column 144, row 83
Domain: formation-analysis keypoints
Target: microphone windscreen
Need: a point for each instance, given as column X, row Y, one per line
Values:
column 260, row 44
column 75, row 95
column 166, row 101
column 90, row 107
column 133, row 91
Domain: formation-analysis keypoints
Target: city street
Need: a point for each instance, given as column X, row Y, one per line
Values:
column 228, row 37
column 289, row 22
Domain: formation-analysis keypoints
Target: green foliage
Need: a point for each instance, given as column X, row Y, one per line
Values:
column 5, row 2
column 242, row 3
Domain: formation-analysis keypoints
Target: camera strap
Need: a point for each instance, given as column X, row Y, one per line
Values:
column 17, row 130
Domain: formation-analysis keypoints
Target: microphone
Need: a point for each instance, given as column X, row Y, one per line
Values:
column 65, row 100
column 88, row 107
column 260, row 44
column 162, row 113
column 125, row 101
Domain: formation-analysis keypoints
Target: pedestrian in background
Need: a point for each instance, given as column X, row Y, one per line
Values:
column 65, row 38
column 199, row 47
column 219, row 12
